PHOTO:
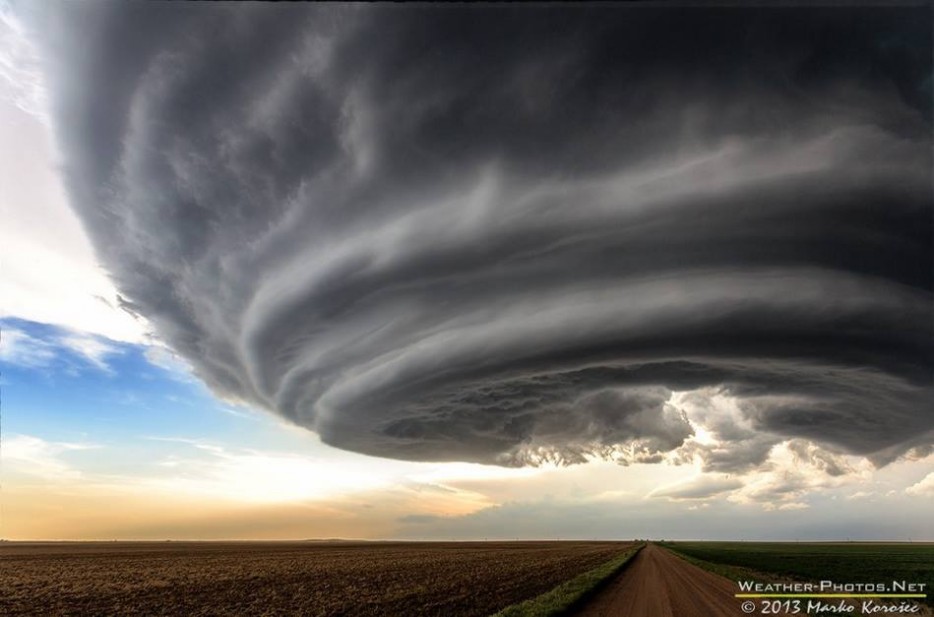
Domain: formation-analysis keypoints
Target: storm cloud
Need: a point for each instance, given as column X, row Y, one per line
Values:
column 511, row 234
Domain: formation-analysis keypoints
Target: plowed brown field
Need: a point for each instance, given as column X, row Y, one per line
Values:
column 294, row 578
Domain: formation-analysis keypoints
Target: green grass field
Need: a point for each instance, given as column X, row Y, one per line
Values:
column 843, row 562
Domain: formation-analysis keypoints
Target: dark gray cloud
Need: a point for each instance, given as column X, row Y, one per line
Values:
column 509, row 234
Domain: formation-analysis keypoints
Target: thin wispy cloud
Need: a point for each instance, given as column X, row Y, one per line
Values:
column 47, row 347
column 21, row 349
column 527, row 252
column 37, row 457
column 93, row 349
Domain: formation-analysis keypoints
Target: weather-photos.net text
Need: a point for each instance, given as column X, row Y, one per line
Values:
column 832, row 587
column 829, row 597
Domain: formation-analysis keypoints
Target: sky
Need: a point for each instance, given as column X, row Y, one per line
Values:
column 452, row 272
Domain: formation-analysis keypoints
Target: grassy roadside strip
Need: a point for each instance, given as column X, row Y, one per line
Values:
column 569, row 594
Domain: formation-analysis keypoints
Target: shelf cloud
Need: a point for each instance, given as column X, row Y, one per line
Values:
column 509, row 234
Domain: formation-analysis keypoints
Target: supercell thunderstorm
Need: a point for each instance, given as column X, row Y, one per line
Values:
column 509, row 236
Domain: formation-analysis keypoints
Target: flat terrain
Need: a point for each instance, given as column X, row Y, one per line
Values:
column 285, row 578
column 841, row 562
column 658, row 584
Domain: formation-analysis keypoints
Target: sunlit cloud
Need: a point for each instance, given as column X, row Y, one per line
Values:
column 788, row 479
column 35, row 457
column 256, row 476
column 923, row 488
column 698, row 487
column 246, row 475
column 453, row 472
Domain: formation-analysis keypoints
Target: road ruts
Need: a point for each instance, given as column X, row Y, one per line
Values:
column 658, row 584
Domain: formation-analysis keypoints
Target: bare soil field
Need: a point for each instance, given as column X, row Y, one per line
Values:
column 285, row 578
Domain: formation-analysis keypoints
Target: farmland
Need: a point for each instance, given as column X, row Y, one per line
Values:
column 286, row 578
column 841, row 562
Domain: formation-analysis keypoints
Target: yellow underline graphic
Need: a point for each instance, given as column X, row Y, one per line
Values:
column 830, row 595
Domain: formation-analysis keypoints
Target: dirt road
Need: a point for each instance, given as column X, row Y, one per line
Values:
column 658, row 584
